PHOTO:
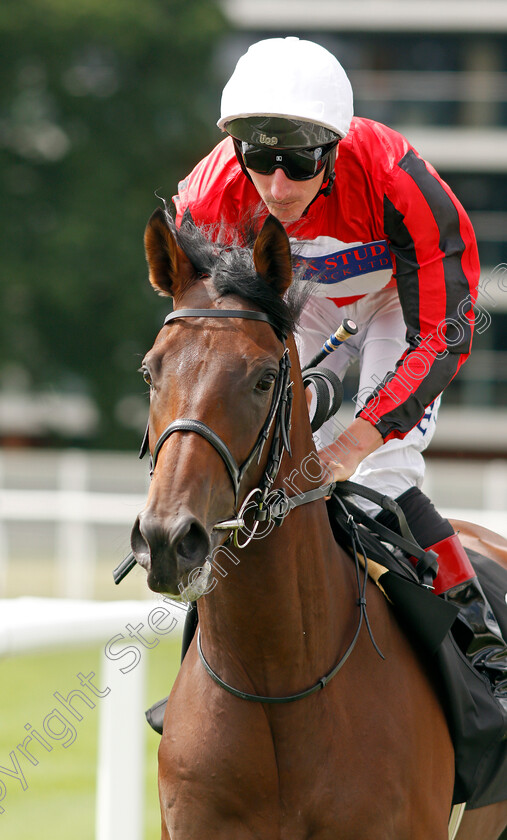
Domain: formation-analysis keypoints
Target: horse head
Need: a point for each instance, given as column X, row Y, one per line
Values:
column 219, row 384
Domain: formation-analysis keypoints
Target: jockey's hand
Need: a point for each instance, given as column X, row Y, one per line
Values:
column 342, row 457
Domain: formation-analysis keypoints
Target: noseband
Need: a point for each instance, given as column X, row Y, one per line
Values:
column 279, row 414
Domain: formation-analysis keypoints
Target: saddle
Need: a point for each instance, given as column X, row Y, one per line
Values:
column 476, row 720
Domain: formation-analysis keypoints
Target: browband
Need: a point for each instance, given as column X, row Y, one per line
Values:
column 249, row 314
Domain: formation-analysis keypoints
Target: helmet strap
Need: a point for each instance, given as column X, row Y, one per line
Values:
column 237, row 147
column 324, row 190
column 329, row 186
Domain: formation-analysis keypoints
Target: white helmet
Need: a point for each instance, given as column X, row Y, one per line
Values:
column 292, row 79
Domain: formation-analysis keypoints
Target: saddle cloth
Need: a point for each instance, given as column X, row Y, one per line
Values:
column 477, row 722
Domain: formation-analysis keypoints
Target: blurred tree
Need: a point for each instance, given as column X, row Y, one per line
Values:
column 102, row 104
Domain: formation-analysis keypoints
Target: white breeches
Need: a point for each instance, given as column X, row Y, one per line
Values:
column 398, row 464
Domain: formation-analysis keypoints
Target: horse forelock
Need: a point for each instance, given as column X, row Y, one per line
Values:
column 225, row 254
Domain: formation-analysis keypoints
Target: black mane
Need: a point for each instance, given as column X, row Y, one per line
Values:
column 226, row 255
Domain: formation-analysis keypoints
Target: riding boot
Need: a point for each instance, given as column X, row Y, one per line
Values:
column 483, row 644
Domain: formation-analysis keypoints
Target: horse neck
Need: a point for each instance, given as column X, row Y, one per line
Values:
column 284, row 598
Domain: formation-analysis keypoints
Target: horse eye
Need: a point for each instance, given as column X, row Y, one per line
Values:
column 146, row 376
column 266, row 383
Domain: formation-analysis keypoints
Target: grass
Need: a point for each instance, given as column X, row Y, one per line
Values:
column 59, row 800
column 40, row 576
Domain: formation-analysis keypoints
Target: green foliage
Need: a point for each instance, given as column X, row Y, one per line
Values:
column 101, row 106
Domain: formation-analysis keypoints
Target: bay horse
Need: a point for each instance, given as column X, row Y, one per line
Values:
column 257, row 741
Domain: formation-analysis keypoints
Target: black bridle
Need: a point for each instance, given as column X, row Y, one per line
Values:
column 274, row 505
column 267, row 506
column 270, row 506
column 279, row 414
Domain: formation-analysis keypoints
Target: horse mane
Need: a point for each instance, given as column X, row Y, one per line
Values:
column 225, row 254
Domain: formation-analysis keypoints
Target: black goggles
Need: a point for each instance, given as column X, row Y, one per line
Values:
column 298, row 164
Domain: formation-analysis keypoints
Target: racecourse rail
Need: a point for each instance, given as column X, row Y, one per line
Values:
column 74, row 511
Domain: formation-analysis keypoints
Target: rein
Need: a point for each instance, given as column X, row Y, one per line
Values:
column 323, row 681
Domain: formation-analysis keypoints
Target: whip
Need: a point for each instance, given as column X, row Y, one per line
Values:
column 344, row 331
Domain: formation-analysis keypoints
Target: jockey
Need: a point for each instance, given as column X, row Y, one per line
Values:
column 387, row 244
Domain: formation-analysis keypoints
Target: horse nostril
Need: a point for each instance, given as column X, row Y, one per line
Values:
column 193, row 546
column 157, row 543
column 140, row 545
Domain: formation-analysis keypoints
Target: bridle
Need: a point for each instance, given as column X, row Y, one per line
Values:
column 264, row 508
column 279, row 415
column 267, row 504
column 274, row 505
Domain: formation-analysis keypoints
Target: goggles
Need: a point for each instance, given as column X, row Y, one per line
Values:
column 298, row 164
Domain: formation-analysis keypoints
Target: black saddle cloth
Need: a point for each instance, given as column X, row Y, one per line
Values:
column 489, row 782
column 477, row 721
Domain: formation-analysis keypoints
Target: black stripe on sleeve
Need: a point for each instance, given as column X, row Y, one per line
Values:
column 451, row 244
column 403, row 247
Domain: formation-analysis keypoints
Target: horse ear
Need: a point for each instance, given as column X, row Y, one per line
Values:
column 271, row 255
column 169, row 266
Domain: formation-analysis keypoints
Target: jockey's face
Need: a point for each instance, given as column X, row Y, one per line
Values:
column 285, row 199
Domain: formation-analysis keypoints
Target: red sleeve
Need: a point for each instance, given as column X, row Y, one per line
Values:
column 436, row 266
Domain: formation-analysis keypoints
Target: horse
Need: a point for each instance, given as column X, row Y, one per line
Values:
column 258, row 740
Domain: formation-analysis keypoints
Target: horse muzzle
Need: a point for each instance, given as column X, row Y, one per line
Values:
column 174, row 553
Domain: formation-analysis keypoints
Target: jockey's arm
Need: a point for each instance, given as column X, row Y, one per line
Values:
column 342, row 457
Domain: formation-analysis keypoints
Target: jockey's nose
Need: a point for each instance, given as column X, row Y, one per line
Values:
column 281, row 186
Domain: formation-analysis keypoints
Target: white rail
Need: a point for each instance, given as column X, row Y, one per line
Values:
column 76, row 512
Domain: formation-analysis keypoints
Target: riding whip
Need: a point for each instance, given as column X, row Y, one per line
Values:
column 344, row 331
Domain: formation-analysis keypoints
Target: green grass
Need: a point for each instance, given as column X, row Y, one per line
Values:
column 59, row 801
